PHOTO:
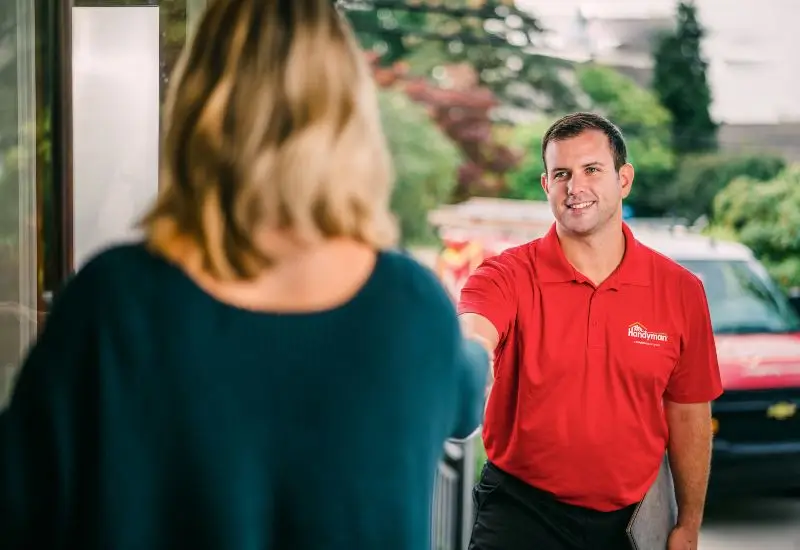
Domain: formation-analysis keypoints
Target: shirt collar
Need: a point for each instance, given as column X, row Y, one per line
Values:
column 553, row 267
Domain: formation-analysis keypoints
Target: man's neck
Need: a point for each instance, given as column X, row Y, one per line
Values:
column 595, row 256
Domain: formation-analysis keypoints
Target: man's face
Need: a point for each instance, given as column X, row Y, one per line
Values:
column 584, row 189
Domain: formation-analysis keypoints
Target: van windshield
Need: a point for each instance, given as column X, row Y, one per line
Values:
column 742, row 298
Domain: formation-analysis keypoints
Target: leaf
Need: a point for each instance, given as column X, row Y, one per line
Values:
column 425, row 164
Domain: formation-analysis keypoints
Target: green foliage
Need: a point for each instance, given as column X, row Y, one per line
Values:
column 679, row 80
column 480, row 455
column 646, row 126
column 700, row 177
column 425, row 162
column 635, row 109
column 524, row 183
column 492, row 36
column 377, row 30
column 9, row 191
column 643, row 121
column 520, row 80
column 766, row 217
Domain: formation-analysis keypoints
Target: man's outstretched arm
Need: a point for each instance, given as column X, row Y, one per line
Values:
column 479, row 328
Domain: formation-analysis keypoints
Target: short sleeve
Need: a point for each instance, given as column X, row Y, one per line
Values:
column 696, row 378
column 489, row 292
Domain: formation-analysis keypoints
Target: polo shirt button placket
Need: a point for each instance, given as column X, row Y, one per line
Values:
column 595, row 334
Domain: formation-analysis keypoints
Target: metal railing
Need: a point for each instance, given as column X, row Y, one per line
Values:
column 452, row 498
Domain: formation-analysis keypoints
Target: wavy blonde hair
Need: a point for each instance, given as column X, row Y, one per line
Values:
column 271, row 122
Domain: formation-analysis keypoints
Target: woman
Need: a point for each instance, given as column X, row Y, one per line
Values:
column 261, row 372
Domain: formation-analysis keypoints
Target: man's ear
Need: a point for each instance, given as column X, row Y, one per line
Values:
column 545, row 186
column 626, row 173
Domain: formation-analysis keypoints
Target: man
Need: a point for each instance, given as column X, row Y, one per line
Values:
column 604, row 361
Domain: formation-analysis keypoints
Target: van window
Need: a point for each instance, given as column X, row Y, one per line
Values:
column 742, row 298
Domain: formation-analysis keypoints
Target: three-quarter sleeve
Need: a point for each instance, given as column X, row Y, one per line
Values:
column 40, row 429
column 472, row 365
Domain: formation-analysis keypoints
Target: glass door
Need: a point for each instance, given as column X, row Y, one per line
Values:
column 81, row 88
column 18, row 160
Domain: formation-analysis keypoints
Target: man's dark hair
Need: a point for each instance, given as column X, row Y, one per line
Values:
column 571, row 126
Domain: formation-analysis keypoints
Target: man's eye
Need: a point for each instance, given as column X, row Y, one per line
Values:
column 559, row 175
column 591, row 170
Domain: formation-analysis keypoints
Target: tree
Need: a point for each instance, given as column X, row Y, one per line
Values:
column 468, row 62
column 679, row 80
column 425, row 163
column 389, row 33
column 493, row 36
column 700, row 177
column 463, row 112
column 765, row 216
column 525, row 182
column 499, row 41
column 645, row 123
column 640, row 117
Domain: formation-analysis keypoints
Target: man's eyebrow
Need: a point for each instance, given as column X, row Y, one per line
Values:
column 585, row 165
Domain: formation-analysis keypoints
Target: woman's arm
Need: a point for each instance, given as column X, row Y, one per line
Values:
column 474, row 365
column 40, row 429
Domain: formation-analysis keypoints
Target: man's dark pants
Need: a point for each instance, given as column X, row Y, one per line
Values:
column 512, row 515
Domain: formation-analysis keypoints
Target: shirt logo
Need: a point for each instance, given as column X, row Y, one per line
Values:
column 640, row 335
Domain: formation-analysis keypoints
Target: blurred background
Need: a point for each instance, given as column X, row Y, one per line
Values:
column 706, row 93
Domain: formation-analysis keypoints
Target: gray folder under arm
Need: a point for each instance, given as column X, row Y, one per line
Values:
column 656, row 515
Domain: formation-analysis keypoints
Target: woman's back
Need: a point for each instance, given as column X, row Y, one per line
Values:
column 174, row 420
column 152, row 416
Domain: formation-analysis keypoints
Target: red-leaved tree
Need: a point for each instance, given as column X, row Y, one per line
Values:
column 463, row 112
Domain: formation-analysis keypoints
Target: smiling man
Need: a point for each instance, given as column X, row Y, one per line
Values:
column 605, row 360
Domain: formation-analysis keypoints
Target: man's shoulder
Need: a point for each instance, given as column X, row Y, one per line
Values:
column 667, row 268
column 520, row 255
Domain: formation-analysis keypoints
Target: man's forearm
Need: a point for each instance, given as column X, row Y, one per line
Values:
column 478, row 326
column 690, row 458
column 482, row 330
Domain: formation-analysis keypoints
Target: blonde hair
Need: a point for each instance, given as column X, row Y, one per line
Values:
column 271, row 123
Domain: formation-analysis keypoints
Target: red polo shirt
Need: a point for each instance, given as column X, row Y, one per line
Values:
column 581, row 372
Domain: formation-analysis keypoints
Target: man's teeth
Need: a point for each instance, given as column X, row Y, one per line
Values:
column 581, row 205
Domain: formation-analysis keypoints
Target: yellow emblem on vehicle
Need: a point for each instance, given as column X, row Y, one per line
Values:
column 782, row 411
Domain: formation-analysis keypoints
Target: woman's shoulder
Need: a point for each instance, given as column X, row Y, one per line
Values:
column 126, row 253
column 114, row 274
column 407, row 274
column 128, row 260
column 407, row 287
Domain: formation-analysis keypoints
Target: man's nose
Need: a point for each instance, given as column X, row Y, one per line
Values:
column 577, row 183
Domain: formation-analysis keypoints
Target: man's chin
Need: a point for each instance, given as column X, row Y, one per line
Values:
column 579, row 227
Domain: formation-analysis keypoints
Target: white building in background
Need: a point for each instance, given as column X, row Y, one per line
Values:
column 751, row 46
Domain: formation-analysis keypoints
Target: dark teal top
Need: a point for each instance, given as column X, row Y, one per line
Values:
column 150, row 416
